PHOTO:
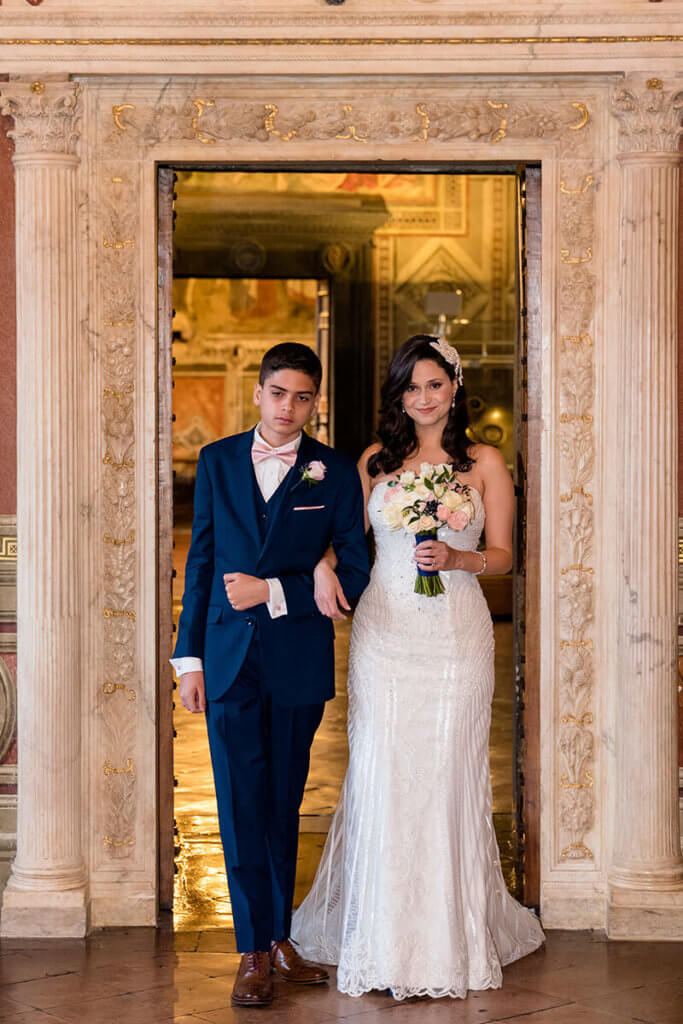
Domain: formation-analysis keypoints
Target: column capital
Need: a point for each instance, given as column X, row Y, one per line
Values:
column 47, row 116
column 650, row 112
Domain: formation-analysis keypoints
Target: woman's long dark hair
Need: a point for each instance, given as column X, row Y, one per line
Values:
column 396, row 429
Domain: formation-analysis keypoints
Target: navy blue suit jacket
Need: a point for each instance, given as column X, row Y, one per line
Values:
column 297, row 649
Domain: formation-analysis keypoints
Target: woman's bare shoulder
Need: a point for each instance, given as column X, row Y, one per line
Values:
column 486, row 456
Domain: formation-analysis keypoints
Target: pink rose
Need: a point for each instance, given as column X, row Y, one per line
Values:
column 390, row 492
column 442, row 513
column 317, row 470
column 458, row 520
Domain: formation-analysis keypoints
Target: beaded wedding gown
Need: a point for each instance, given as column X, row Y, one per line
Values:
column 409, row 894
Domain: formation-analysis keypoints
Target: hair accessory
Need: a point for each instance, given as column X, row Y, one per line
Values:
column 450, row 354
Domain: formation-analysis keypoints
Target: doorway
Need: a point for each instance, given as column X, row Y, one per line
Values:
column 353, row 261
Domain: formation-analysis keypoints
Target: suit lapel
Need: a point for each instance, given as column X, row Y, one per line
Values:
column 242, row 484
column 292, row 481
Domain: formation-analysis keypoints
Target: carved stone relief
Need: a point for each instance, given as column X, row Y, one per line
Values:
column 577, row 291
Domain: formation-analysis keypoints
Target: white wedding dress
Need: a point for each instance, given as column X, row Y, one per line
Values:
column 409, row 894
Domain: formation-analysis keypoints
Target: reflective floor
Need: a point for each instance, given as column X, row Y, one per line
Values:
column 144, row 976
column 201, row 899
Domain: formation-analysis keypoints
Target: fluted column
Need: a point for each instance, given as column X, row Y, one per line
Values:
column 46, row 891
column 646, row 874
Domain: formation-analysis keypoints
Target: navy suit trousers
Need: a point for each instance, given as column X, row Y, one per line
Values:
column 260, row 752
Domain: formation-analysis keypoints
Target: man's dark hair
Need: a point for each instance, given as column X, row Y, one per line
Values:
column 291, row 355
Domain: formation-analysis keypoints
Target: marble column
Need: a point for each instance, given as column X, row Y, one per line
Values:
column 46, row 891
column 646, row 872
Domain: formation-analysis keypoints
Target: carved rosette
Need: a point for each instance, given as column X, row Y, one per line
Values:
column 577, row 290
column 46, row 116
column 117, row 251
column 649, row 116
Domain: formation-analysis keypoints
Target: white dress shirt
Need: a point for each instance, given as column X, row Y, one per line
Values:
column 269, row 475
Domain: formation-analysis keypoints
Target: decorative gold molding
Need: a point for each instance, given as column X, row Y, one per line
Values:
column 352, row 133
column 577, row 339
column 585, row 719
column 118, row 613
column 123, row 464
column 576, row 643
column 577, row 490
column 108, row 841
column 117, row 111
column 576, row 568
column 127, row 769
column 119, row 541
column 118, row 245
column 585, row 117
column 588, row 782
column 272, row 110
column 421, row 109
column 243, row 41
column 577, row 850
column 110, row 688
column 566, row 258
column 588, row 181
column 200, row 106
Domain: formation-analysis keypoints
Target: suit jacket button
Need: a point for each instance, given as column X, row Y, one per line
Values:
column 250, row 622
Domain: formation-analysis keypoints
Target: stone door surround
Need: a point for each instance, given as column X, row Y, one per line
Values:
column 86, row 157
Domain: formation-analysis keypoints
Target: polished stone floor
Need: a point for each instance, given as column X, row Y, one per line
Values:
column 201, row 899
column 143, row 976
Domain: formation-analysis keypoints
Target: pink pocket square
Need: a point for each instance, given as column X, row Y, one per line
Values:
column 307, row 508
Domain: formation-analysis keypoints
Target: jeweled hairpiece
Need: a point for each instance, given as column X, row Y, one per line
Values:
column 450, row 354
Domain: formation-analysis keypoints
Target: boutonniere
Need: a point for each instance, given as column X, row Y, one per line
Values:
column 313, row 473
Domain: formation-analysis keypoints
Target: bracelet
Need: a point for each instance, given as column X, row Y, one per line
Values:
column 484, row 562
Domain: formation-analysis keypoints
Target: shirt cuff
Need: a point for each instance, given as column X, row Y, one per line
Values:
column 183, row 665
column 276, row 604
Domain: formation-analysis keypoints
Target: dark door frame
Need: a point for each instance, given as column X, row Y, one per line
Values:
column 527, row 481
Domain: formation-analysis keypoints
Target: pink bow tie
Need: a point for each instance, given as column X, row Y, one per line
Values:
column 286, row 454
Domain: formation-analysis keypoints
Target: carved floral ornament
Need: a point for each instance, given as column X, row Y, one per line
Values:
column 209, row 120
column 650, row 116
column 46, row 116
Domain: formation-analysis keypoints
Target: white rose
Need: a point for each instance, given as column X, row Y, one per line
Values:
column 422, row 491
column 451, row 500
column 427, row 523
column 413, row 527
column 392, row 516
column 407, row 477
column 439, row 490
column 426, row 469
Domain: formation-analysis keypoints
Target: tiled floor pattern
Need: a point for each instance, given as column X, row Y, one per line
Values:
column 142, row 976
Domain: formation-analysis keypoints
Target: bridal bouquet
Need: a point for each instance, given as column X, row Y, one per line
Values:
column 422, row 502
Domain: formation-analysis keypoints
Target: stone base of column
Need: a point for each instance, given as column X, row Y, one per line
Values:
column 48, row 915
column 638, row 914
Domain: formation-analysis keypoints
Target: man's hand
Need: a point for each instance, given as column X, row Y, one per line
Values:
column 328, row 592
column 245, row 591
column 191, row 691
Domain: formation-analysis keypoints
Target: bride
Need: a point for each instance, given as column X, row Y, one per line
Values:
column 409, row 895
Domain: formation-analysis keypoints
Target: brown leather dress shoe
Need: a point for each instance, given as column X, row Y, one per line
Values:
column 290, row 966
column 253, row 984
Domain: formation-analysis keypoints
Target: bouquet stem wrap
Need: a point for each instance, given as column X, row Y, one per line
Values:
column 428, row 582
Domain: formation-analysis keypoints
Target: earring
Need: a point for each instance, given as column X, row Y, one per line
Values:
column 453, row 403
column 403, row 408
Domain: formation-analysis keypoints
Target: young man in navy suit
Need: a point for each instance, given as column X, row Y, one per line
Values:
column 253, row 651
